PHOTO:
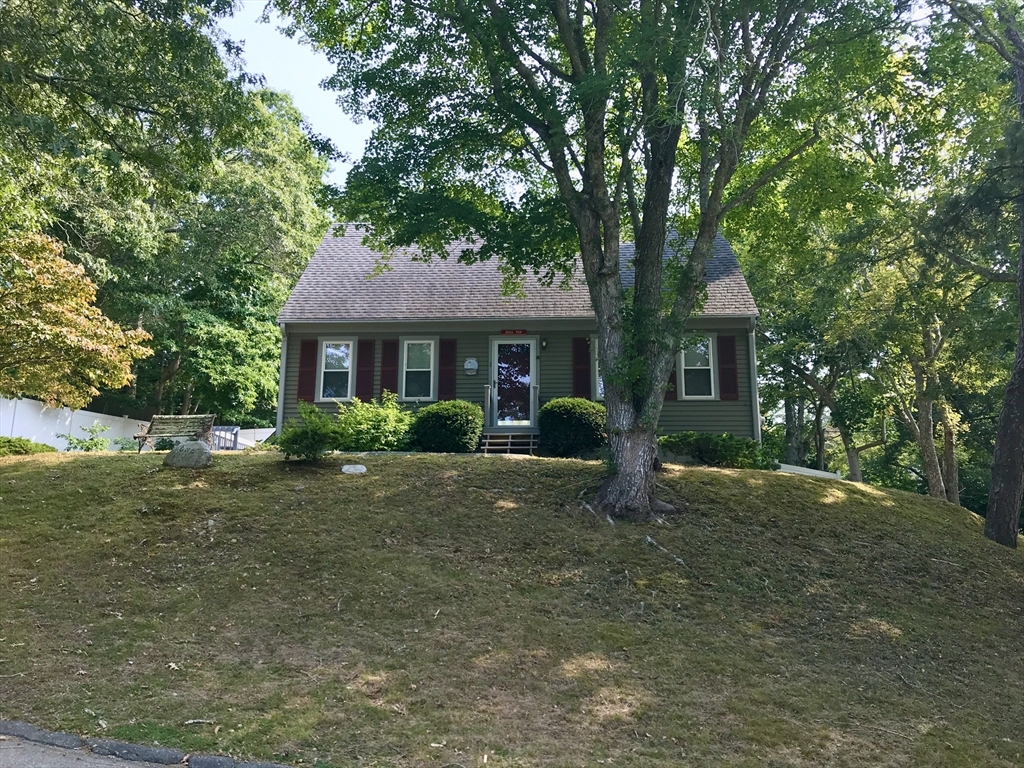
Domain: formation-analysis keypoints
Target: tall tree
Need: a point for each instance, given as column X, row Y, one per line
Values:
column 542, row 133
column 1000, row 25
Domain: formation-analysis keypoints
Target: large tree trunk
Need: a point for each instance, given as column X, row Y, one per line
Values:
column 852, row 456
column 1002, row 518
column 629, row 494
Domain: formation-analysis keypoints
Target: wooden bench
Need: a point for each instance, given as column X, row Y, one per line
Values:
column 199, row 427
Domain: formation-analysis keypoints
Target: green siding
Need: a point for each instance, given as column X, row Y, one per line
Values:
column 554, row 372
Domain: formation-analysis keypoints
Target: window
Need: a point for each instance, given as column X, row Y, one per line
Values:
column 418, row 380
column 696, row 360
column 336, row 370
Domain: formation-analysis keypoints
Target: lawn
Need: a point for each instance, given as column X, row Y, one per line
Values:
column 457, row 611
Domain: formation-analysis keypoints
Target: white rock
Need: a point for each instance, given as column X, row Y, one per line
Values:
column 193, row 454
column 354, row 469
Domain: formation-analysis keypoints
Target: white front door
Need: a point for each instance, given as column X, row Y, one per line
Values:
column 514, row 382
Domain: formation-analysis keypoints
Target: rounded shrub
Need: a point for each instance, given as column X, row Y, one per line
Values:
column 22, row 446
column 312, row 438
column 451, row 426
column 571, row 426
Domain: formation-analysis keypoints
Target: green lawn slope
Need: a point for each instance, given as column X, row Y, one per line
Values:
column 462, row 611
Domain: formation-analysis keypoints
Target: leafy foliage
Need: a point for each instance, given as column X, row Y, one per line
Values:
column 22, row 446
column 164, row 444
column 374, row 425
column 451, row 426
column 723, row 450
column 55, row 344
column 571, row 426
column 91, row 442
column 313, row 437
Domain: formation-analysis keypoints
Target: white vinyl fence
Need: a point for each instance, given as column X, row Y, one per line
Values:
column 41, row 424
column 794, row 470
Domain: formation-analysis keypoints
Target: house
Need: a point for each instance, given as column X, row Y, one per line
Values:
column 443, row 330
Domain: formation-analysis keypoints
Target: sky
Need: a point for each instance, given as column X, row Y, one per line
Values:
column 288, row 65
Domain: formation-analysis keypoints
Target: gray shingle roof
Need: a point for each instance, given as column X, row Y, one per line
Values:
column 337, row 286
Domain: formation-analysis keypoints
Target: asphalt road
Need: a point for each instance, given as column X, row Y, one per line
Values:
column 17, row 753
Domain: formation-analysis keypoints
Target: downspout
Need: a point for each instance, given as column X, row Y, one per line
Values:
column 281, row 378
column 756, row 402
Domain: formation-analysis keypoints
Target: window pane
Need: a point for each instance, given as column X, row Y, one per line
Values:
column 417, row 355
column 417, row 383
column 335, row 384
column 337, row 357
column 697, row 383
column 697, row 353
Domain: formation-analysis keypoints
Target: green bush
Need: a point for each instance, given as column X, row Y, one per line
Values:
column 570, row 426
column 311, row 438
column 719, row 450
column 22, row 446
column 164, row 444
column 374, row 425
column 451, row 426
column 91, row 443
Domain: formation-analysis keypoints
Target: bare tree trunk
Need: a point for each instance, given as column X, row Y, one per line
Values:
column 852, row 456
column 925, row 435
column 792, row 433
column 187, row 402
column 1002, row 517
column 801, row 453
column 950, row 468
column 819, row 436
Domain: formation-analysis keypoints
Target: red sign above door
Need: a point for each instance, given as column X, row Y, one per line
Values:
column 513, row 333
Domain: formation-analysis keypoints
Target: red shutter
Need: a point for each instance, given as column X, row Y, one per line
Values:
column 389, row 365
column 364, row 369
column 446, row 370
column 307, row 370
column 672, row 391
column 581, row 367
column 728, row 371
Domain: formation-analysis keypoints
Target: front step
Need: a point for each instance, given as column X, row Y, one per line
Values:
column 516, row 442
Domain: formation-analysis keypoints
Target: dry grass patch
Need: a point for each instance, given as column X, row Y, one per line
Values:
column 441, row 609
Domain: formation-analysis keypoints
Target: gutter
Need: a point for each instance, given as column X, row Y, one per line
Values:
column 281, row 377
column 755, row 400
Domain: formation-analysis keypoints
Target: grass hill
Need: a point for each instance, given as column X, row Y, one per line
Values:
column 450, row 610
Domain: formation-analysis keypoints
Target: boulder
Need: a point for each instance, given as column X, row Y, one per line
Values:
column 193, row 454
column 353, row 469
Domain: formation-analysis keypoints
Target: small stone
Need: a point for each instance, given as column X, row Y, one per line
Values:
column 193, row 454
column 354, row 469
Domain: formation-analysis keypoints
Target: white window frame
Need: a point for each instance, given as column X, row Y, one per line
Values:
column 403, row 347
column 353, row 343
column 712, row 366
column 595, row 391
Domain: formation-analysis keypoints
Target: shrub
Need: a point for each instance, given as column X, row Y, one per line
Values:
column 451, row 426
column 164, row 444
column 125, row 444
column 22, row 446
column 570, row 426
column 719, row 450
column 311, row 438
column 374, row 425
column 91, row 443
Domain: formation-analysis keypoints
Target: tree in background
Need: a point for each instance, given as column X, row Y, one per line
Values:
column 544, row 133
column 55, row 344
column 129, row 134
column 1000, row 26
